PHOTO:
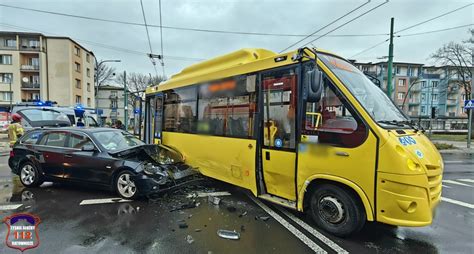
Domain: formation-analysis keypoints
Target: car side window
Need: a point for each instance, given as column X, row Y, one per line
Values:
column 77, row 141
column 31, row 138
column 56, row 139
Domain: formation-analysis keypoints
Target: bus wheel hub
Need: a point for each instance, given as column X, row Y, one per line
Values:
column 331, row 210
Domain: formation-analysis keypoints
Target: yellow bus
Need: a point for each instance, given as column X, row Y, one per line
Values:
column 303, row 129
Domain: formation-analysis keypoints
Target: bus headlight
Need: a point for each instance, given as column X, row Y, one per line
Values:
column 413, row 165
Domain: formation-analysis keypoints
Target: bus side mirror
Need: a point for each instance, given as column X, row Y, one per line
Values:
column 313, row 85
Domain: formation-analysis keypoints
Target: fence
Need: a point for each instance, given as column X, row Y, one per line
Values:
column 446, row 124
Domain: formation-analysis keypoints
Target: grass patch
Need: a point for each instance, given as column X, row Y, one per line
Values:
column 449, row 137
column 444, row 146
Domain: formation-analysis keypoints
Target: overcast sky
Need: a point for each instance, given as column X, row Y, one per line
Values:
column 260, row 16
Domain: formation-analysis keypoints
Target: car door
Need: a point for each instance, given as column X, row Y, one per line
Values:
column 89, row 166
column 51, row 153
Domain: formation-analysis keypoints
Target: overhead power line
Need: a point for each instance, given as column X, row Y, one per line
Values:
column 107, row 46
column 431, row 19
column 187, row 28
column 435, row 31
column 350, row 21
column 330, row 23
column 415, row 25
column 161, row 41
column 148, row 37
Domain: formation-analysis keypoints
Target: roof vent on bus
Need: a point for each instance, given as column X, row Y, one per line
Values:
column 401, row 132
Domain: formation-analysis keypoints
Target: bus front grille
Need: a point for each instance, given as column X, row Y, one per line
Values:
column 434, row 182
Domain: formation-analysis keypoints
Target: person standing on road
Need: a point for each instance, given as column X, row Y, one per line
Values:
column 15, row 130
column 119, row 125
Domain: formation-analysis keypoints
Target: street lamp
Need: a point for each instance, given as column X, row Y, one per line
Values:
column 97, row 68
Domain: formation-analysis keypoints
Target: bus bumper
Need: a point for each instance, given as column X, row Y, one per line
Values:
column 406, row 200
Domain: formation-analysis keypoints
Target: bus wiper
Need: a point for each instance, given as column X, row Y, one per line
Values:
column 393, row 122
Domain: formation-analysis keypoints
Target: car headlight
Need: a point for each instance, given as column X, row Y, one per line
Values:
column 154, row 170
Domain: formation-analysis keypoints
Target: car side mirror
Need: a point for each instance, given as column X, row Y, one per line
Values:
column 313, row 84
column 88, row 148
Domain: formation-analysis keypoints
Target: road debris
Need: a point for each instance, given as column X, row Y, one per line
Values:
column 184, row 206
column 262, row 217
column 231, row 209
column 189, row 239
column 243, row 214
column 208, row 194
column 183, row 225
column 197, row 230
column 214, row 200
column 227, row 234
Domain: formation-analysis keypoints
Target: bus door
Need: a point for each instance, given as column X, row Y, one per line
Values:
column 138, row 117
column 158, row 119
column 153, row 118
column 278, row 154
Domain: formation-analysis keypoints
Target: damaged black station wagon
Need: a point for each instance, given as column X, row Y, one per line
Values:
column 104, row 157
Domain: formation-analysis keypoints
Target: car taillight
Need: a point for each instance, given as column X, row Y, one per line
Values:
column 12, row 153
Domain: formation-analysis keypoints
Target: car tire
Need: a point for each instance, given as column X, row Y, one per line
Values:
column 337, row 210
column 125, row 186
column 29, row 175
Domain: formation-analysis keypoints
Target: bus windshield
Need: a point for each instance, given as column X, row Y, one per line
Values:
column 371, row 97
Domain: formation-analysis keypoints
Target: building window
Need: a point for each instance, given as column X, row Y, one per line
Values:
column 397, row 70
column 88, row 102
column 78, row 99
column 88, row 58
column 5, row 96
column 423, row 84
column 78, row 83
column 401, row 96
column 113, row 93
column 423, row 109
column 78, row 67
column 113, row 104
column 34, row 62
column 463, row 97
column 435, row 97
column 6, row 77
column 77, row 51
column 5, row 59
column 401, row 82
column 10, row 43
column 33, row 44
column 88, row 87
column 434, row 83
column 423, row 97
column 88, row 71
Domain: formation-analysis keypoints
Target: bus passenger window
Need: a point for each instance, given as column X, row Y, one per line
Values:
column 333, row 121
column 180, row 110
column 227, row 107
column 279, row 98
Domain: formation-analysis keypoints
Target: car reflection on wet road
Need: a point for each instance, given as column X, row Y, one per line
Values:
column 176, row 223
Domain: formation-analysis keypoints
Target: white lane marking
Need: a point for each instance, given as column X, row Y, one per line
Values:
column 454, row 182
column 314, row 232
column 466, row 180
column 208, row 194
column 445, row 186
column 103, row 201
column 10, row 207
column 453, row 162
column 312, row 245
column 457, row 202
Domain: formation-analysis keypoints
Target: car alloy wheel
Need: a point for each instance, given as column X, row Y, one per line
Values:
column 28, row 175
column 125, row 186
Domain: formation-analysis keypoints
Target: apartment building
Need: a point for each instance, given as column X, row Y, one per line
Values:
column 418, row 89
column 38, row 67
column 110, row 100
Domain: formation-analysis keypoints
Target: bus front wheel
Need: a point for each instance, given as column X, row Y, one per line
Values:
column 337, row 210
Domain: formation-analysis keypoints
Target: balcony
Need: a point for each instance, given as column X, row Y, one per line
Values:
column 34, row 46
column 28, row 67
column 30, row 86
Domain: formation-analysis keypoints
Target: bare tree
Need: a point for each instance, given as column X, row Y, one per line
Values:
column 103, row 73
column 458, row 59
column 137, row 83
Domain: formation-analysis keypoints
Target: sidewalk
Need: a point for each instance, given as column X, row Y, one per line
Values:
column 4, row 146
column 460, row 147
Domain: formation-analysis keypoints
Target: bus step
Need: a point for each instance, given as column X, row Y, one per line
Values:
column 278, row 200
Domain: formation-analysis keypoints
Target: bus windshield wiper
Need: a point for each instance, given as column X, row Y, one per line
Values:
column 393, row 122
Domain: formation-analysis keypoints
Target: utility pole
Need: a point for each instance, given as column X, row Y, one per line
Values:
column 390, row 61
column 125, row 100
column 469, row 124
column 11, row 94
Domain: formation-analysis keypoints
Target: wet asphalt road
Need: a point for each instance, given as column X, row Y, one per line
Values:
column 149, row 226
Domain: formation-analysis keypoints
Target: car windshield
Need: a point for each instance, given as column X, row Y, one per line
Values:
column 116, row 140
column 371, row 97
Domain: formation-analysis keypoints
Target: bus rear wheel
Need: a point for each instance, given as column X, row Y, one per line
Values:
column 337, row 210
